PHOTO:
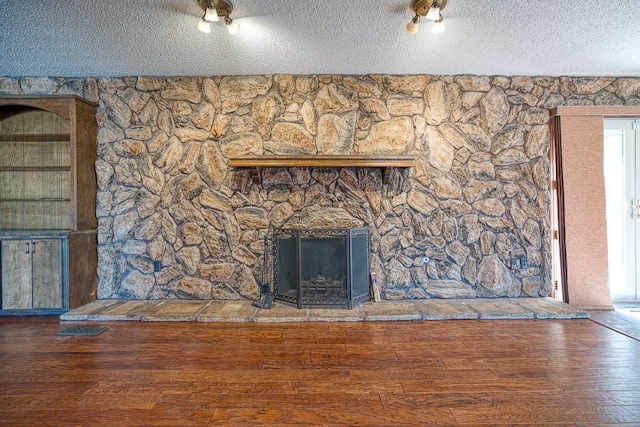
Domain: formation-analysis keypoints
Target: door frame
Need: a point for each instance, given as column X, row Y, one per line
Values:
column 630, row 224
column 584, row 295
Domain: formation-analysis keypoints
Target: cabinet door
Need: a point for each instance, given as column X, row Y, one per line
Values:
column 47, row 273
column 16, row 274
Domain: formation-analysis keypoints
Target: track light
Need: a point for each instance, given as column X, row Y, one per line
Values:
column 204, row 26
column 414, row 25
column 232, row 26
column 438, row 26
column 211, row 14
column 431, row 10
column 213, row 11
column 434, row 12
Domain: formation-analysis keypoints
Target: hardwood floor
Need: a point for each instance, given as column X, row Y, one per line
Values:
column 471, row 372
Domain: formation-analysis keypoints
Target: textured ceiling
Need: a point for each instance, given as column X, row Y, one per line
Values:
column 77, row 38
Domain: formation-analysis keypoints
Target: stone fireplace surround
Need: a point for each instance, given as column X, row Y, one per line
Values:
column 476, row 202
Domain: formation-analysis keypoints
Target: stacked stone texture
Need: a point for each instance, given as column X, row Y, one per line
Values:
column 477, row 202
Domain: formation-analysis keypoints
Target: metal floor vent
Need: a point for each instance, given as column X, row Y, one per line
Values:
column 626, row 307
column 83, row 331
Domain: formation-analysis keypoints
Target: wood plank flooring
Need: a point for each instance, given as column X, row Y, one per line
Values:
column 466, row 372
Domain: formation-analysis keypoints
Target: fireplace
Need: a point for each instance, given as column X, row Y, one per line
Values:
column 321, row 268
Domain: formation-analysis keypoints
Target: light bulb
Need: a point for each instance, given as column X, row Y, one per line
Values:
column 414, row 25
column 434, row 12
column 233, row 28
column 204, row 26
column 211, row 15
column 438, row 26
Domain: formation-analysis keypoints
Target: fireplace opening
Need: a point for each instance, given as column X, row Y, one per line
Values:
column 321, row 268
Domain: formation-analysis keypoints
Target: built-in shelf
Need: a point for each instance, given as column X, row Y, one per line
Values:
column 51, row 199
column 386, row 163
column 35, row 168
column 48, row 152
column 16, row 137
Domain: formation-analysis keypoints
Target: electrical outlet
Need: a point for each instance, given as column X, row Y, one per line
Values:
column 523, row 262
column 515, row 263
column 157, row 266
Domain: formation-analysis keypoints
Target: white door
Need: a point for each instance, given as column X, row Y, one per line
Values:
column 622, row 189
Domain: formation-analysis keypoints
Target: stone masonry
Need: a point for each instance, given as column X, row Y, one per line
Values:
column 476, row 203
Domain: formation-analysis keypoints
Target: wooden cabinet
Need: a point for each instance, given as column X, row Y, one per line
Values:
column 32, row 273
column 47, row 202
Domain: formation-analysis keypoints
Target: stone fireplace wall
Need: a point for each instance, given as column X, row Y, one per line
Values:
column 477, row 202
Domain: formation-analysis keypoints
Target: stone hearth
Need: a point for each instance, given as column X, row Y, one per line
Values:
column 243, row 311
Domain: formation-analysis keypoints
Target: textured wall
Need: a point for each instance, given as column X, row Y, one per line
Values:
column 476, row 203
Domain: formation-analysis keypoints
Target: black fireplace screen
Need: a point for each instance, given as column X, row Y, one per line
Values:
column 327, row 268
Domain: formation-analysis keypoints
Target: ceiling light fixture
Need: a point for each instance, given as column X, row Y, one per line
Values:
column 211, row 14
column 438, row 26
column 204, row 26
column 213, row 11
column 431, row 10
column 414, row 25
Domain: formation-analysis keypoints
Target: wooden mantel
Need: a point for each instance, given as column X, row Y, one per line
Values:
column 386, row 163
